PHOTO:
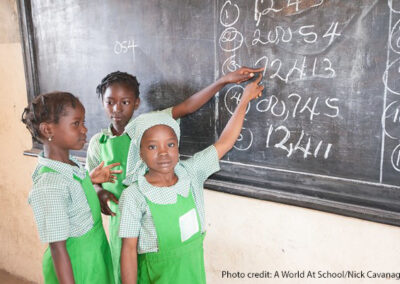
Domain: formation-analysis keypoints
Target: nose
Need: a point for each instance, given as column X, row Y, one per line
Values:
column 118, row 107
column 163, row 151
column 84, row 129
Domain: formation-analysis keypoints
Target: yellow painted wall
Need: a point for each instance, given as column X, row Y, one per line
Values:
column 244, row 235
column 20, row 250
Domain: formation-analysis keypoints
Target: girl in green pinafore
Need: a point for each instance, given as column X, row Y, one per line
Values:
column 162, row 211
column 119, row 93
column 64, row 202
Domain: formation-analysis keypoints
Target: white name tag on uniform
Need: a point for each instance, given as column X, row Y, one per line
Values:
column 188, row 224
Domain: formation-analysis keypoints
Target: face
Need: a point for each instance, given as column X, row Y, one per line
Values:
column 70, row 131
column 159, row 149
column 120, row 102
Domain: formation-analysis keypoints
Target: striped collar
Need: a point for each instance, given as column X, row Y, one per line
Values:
column 166, row 195
column 64, row 169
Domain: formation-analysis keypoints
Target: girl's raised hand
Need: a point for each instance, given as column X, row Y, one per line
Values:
column 253, row 90
column 101, row 174
column 241, row 75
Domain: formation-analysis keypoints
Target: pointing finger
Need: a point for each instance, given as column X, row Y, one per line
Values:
column 258, row 80
column 113, row 165
column 258, row 69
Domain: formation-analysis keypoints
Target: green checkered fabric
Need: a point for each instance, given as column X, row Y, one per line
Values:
column 58, row 201
column 136, row 219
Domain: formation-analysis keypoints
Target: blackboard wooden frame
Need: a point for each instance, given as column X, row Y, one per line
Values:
column 368, row 201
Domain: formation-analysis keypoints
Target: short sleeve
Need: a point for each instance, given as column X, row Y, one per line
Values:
column 203, row 164
column 131, row 213
column 169, row 112
column 49, row 202
column 93, row 156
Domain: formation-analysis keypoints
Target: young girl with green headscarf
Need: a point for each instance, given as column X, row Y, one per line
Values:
column 162, row 211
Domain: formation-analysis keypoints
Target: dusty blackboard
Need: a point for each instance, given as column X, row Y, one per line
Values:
column 326, row 133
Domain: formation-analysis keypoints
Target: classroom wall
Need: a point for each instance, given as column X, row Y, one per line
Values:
column 244, row 235
column 20, row 251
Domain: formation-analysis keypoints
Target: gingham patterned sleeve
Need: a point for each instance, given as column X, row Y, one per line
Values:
column 167, row 111
column 49, row 201
column 202, row 164
column 131, row 208
column 93, row 156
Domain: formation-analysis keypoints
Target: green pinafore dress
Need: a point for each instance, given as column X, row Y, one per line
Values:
column 115, row 150
column 179, row 258
column 89, row 254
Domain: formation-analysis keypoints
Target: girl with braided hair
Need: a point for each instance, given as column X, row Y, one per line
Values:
column 119, row 93
column 64, row 202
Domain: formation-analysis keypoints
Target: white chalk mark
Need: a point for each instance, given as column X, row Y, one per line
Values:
column 242, row 138
column 385, row 99
column 225, row 9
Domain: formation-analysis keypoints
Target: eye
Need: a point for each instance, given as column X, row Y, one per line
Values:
column 126, row 102
column 109, row 102
column 76, row 123
column 151, row 147
column 171, row 145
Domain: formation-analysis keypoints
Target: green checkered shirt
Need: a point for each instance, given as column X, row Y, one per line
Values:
column 136, row 220
column 58, row 201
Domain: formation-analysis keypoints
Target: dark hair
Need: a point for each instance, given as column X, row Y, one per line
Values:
column 118, row 77
column 49, row 108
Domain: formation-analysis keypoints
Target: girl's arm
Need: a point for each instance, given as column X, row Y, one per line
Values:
column 234, row 126
column 62, row 263
column 129, row 261
column 99, row 175
column 196, row 101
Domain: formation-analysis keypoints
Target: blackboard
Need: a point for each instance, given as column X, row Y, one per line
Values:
column 326, row 133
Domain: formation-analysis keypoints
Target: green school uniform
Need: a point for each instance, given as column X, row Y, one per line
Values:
column 90, row 253
column 168, row 221
column 113, row 149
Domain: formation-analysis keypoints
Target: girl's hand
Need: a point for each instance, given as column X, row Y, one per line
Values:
column 240, row 75
column 253, row 90
column 102, row 174
column 105, row 196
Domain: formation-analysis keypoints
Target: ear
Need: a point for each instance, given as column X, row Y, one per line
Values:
column 46, row 130
column 137, row 103
column 140, row 154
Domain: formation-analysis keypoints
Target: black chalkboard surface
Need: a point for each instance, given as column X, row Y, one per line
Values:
column 325, row 134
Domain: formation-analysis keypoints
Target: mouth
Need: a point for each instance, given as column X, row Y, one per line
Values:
column 164, row 164
column 83, row 139
column 117, row 118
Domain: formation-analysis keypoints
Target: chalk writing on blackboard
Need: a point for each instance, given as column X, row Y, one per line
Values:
column 390, row 117
column 287, row 70
column 125, row 46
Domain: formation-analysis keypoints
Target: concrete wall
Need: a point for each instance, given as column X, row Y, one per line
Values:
column 244, row 235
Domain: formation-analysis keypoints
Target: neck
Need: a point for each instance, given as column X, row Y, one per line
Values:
column 161, row 179
column 57, row 154
column 117, row 130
